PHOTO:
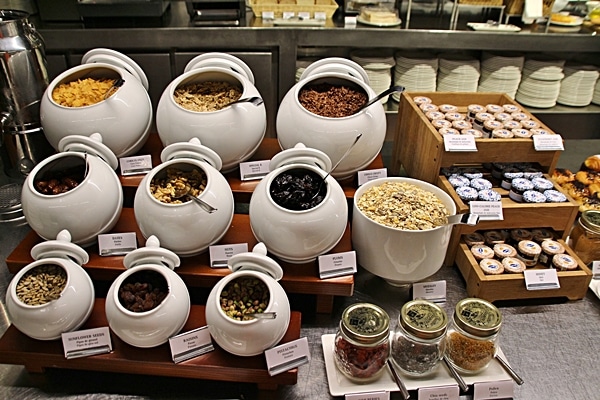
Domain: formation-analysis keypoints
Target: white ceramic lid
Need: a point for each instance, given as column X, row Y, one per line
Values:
column 117, row 59
column 193, row 150
column 60, row 248
column 336, row 65
column 256, row 260
column 222, row 60
column 300, row 154
column 152, row 254
column 91, row 145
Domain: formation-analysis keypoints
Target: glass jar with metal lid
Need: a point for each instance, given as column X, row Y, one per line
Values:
column 418, row 343
column 362, row 342
column 472, row 335
column 586, row 236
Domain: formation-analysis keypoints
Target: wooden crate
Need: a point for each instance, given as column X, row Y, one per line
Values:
column 558, row 217
column 573, row 284
column 419, row 148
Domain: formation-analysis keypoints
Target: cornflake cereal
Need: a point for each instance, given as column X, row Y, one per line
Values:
column 404, row 206
column 164, row 189
column 206, row 96
column 82, row 92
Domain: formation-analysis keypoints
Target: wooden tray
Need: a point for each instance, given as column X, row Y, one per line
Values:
column 419, row 147
column 242, row 190
column 196, row 271
column 556, row 216
column 218, row 365
column 573, row 284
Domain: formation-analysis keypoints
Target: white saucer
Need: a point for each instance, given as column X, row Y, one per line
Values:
column 381, row 25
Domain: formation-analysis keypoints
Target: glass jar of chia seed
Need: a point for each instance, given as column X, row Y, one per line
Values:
column 586, row 236
column 362, row 342
column 418, row 342
column 473, row 335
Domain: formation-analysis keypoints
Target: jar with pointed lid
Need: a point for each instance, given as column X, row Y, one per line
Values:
column 418, row 343
column 473, row 335
column 362, row 342
column 586, row 236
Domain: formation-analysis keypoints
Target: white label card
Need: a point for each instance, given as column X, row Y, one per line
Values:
column 349, row 22
column 303, row 14
column 370, row 175
column 320, row 15
column 220, row 254
column 382, row 395
column 116, row 244
column 337, row 264
column 86, row 342
column 596, row 269
column 288, row 14
column 190, row 344
column 540, row 279
column 287, row 356
column 460, row 143
column 493, row 390
column 450, row 392
column 548, row 142
column 432, row 291
column 487, row 210
column 254, row 170
column 268, row 15
column 135, row 165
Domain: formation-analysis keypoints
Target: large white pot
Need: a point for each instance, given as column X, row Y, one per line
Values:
column 186, row 229
column 250, row 337
column 299, row 236
column 154, row 327
column 91, row 208
column 66, row 313
column 295, row 124
column 234, row 132
column 396, row 255
column 123, row 119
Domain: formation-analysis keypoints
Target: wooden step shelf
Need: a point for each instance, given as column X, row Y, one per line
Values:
column 196, row 270
column 38, row 355
column 242, row 190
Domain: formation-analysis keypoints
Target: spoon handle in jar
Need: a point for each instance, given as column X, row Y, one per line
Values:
column 399, row 382
column 513, row 374
column 459, row 379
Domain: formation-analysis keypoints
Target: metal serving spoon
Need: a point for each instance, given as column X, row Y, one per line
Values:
column 380, row 96
column 335, row 166
column 398, row 380
column 263, row 315
column 255, row 100
column 459, row 379
column 184, row 192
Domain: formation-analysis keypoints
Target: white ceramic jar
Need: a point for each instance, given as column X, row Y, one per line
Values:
column 150, row 326
column 233, row 132
column 299, row 235
column 254, row 335
column 91, row 208
column 123, row 119
column 400, row 256
column 186, row 229
column 295, row 124
column 57, row 264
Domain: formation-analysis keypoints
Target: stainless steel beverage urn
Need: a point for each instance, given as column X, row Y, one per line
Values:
column 23, row 80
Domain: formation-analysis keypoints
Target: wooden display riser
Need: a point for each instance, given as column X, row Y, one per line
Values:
column 507, row 286
column 196, row 270
column 218, row 365
column 242, row 190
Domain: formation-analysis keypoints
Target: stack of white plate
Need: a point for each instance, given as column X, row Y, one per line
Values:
column 596, row 98
column 458, row 73
column 540, row 83
column 500, row 73
column 416, row 71
column 378, row 68
column 577, row 87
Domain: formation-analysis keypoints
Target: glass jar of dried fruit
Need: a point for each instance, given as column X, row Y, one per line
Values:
column 362, row 343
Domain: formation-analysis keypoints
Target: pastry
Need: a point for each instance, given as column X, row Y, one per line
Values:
column 592, row 163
